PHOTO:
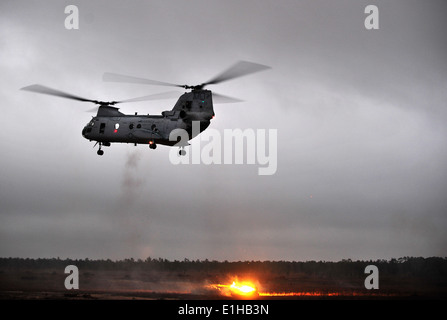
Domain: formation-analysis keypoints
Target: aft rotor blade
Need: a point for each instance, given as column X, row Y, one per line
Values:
column 240, row 69
column 220, row 98
column 156, row 96
column 114, row 77
column 53, row 92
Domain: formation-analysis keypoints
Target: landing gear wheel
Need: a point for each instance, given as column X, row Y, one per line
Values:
column 153, row 146
column 182, row 152
column 101, row 152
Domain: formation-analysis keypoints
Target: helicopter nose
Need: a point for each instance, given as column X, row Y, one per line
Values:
column 84, row 131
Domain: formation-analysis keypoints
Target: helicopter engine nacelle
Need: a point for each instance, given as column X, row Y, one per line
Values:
column 194, row 115
column 175, row 114
column 199, row 116
column 189, row 115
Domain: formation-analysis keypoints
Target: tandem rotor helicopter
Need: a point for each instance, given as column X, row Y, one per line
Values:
column 111, row 126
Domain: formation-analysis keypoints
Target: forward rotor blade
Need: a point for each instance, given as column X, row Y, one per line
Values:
column 220, row 98
column 240, row 69
column 156, row 96
column 53, row 92
column 114, row 77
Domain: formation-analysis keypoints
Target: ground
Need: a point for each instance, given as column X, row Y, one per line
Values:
column 197, row 285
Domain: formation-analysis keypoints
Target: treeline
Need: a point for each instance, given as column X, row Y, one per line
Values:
column 432, row 267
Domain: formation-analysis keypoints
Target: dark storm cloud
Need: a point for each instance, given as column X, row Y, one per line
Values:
column 360, row 117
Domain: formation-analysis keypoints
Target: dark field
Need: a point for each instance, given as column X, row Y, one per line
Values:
column 405, row 278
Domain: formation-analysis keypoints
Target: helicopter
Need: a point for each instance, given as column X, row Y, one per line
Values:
column 112, row 126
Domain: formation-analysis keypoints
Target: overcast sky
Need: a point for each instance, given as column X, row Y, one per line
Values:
column 360, row 115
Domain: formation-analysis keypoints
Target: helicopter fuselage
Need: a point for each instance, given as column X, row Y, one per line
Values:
column 112, row 126
column 137, row 129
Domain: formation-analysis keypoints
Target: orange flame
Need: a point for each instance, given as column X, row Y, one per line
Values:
column 248, row 290
column 244, row 289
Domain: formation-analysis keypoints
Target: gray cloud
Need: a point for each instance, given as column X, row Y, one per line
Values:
column 360, row 118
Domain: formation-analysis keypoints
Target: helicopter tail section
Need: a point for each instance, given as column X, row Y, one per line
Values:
column 196, row 105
